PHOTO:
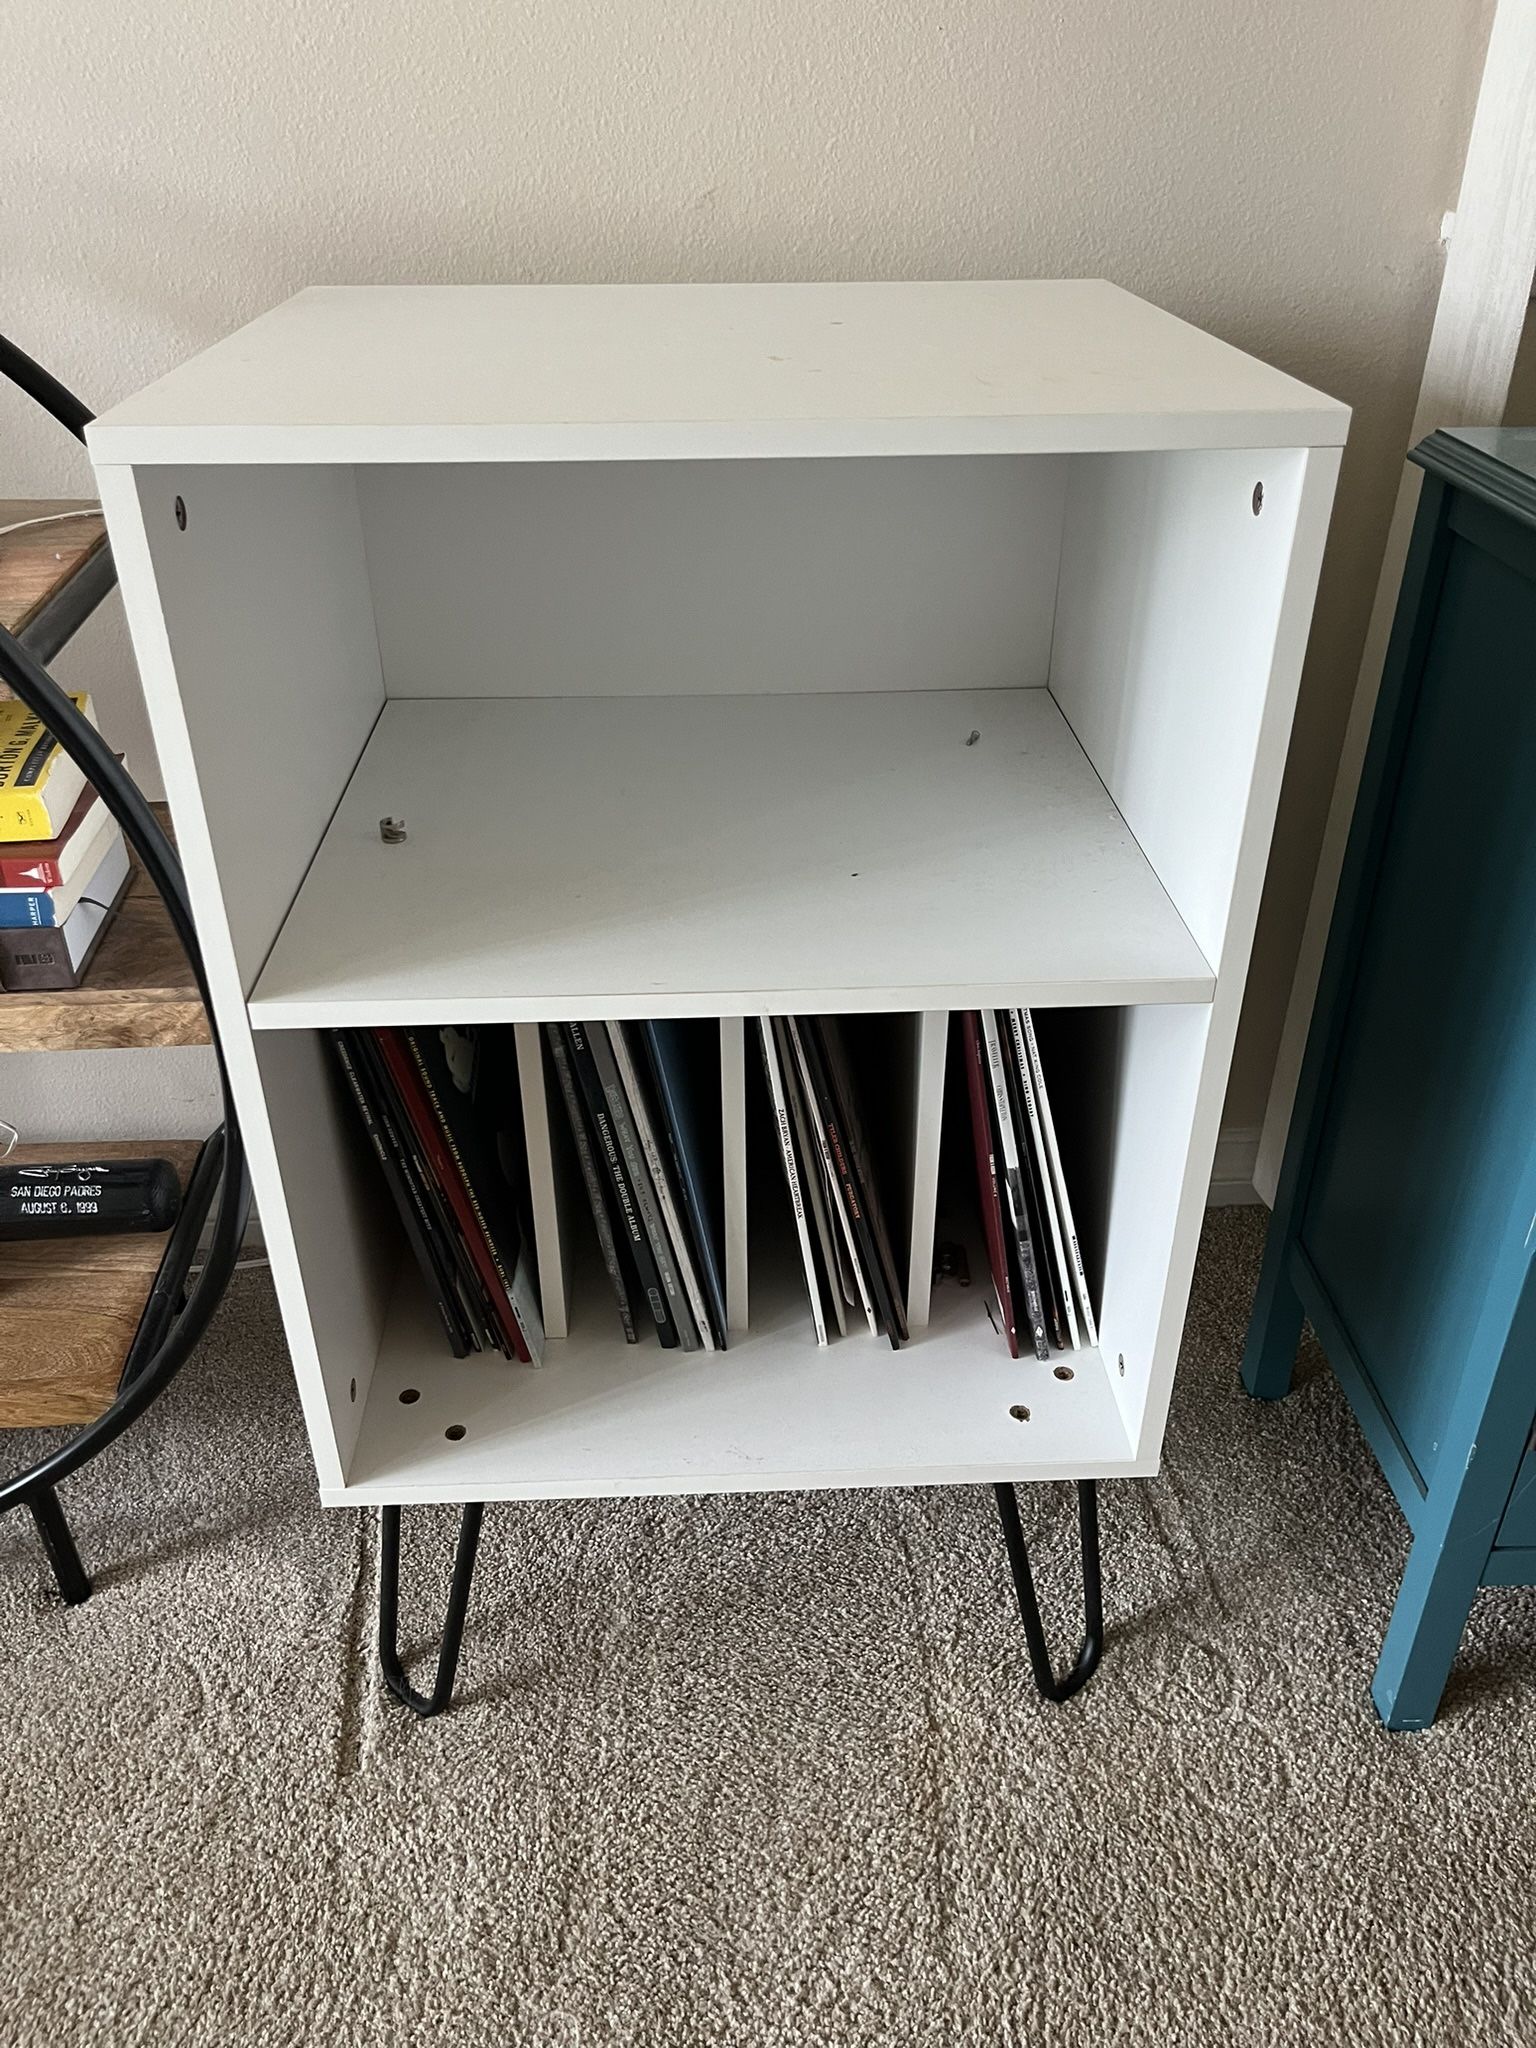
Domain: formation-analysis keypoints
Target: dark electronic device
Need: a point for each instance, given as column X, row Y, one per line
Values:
column 88, row 1198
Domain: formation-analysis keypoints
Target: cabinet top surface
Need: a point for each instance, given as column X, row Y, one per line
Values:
column 1514, row 447
column 387, row 373
column 1497, row 463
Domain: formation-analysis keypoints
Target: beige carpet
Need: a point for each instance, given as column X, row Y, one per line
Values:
column 755, row 1771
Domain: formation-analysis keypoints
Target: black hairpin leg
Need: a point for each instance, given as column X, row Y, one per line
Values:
column 74, row 1586
column 453, row 1622
column 1052, row 1687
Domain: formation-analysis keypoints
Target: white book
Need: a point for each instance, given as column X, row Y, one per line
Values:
column 95, row 877
column 75, row 854
column 78, row 931
column 1059, row 1181
column 829, row 1176
column 1043, row 1175
column 791, row 1172
column 666, row 1195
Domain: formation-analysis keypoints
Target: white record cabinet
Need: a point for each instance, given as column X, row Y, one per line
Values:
column 727, row 650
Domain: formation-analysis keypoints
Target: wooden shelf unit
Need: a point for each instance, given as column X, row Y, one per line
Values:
column 139, row 990
column 71, row 1305
column 727, row 650
column 47, row 545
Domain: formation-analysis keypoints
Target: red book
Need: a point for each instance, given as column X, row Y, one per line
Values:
column 50, row 863
column 448, row 1170
column 986, row 1175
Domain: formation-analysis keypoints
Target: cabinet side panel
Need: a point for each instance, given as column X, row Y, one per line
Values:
column 1170, row 597
column 1178, row 657
column 242, row 830
column 269, row 624
column 708, row 578
column 1136, row 1227
column 547, row 1180
column 331, row 1232
column 932, row 1043
column 733, row 1127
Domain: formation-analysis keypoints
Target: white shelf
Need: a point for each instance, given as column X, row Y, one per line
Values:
column 603, row 1418
column 507, row 373
column 712, row 856
column 702, row 745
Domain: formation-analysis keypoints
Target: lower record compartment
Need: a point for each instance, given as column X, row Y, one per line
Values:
column 889, row 1263
column 774, row 1412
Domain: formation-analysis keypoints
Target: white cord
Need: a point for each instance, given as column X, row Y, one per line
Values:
column 48, row 519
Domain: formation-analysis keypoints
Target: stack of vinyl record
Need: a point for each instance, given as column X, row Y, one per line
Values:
column 643, row 1105
column 441, row 1110
column 829, row 1170
column 1032, row 1243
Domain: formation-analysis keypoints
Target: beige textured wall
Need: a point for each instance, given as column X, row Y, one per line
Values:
column 1521, row 410
column 1275, row 172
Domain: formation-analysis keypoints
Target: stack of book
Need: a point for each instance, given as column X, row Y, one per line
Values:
column 845, row 1244
column 63, row 859
column 643, row 1105
column 441, row 1110
column 1032, row 1245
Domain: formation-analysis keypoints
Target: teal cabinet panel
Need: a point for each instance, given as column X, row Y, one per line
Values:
column 1432, row 1104
column 1517, row 1531
column 1405, row 1219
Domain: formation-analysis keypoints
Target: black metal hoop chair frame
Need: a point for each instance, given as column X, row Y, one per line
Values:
column 174, row 1317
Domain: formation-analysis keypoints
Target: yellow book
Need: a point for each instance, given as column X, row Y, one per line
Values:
column 39, row 784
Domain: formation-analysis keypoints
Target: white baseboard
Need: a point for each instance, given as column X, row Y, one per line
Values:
column 1237, row 1153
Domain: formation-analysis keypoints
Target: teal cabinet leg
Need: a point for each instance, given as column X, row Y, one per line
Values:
column 1274, row 1330
column 1479, row 1462
column 1428, row 1621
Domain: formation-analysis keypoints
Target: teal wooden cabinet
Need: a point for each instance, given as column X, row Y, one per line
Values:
column 1405, row 1220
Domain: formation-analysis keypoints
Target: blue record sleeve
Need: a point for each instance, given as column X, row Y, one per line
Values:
column 685, row 1066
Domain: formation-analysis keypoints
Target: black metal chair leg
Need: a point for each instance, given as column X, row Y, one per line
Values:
column 453, row 1622
column 1051, row 1687
column 73, row 1584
